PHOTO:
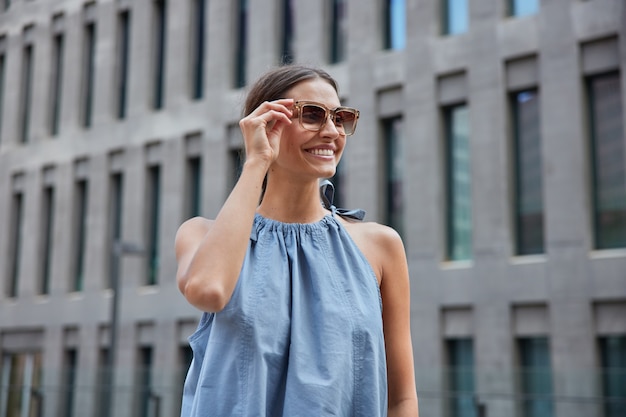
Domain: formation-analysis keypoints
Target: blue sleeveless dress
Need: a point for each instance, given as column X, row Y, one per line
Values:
column 301, row 336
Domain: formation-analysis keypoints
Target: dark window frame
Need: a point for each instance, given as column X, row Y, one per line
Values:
column 452, row 252
column 527, row 242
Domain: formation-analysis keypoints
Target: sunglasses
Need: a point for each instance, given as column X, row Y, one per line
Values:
column 313, row 116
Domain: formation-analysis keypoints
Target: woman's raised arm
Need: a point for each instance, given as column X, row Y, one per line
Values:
column 210, row 253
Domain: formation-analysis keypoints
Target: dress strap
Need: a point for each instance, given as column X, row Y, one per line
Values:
column 327, row 193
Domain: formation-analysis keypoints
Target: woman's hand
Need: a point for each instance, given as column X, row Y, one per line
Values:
column 263, row 127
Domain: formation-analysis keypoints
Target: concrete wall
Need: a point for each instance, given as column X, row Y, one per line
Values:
column 571, row 294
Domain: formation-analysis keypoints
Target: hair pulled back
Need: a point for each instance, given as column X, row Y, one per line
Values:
column 274, row 84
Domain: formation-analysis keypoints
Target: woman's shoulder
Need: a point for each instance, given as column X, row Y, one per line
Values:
column 381, row 244
column 376, row 233
column 193, row 229
column 195, row 223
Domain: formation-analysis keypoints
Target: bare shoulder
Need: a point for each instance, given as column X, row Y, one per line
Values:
column 380, row 235
column 191, row 232
column 381, row 244
column 195, row 224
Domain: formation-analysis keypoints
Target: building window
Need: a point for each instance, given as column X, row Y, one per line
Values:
column 608, row 164
column 68, row 383
column 197, row 50
column 236, row 165
column 159, row 24
column 613, row 360
column 116, row 194
column 460, row 378
column 22, row 371
column 287, row 53
column 123, row 49
column 458, row 183
column 242, row 43
column 6, row 4
column 394, row 25
column 47, row 223
column 152, row 239
column 194, row 186
column 454, row 16
column 103, row 384
column 147, row 400
column 28, row 56
column 89, row 61
column 56, row 81
column 528, row 188
column 15, row 247
column 185, row 358
column 2, row 77
column 393, row 132
column 520, row 8
column 338, row 30
column 80, row 234
column 535, row 379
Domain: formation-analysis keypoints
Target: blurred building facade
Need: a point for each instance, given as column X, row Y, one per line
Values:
column 491, row 137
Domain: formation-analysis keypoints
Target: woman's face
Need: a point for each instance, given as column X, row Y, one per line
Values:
column 307, row 153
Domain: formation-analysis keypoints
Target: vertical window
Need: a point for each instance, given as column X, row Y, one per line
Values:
column 123, row 48
column 56, row 79
column 613, row 360
column 338, row 30
column 194, row 186
column 236, row 164
column 80, row 234
column 242, row 43
column 454, row 16
column 535, row 379
column 608, row 163
column 394, row 25
column 89, row 58
column 197, row 50
column 154, row 207
column 116, row 192
column 23, row 371
column 393, row 132
column 2, row 77
column 287, row 53
column 523, row 7
column 144, row 382
column 15, row 248
column 159, row 24
column 103, row 385
column 458, row 183
column 528, row 200
column 185, row 358
column 460, row 354
column 26, row 91
column 47, row 222
column 68, row 384
column 6, row 4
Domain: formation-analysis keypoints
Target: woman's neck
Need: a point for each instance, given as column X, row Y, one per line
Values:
column 292, row 202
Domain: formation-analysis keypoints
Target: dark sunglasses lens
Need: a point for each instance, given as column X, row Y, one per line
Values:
column 347, row 120
column 313, row 116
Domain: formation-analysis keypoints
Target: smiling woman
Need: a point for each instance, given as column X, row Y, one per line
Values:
column 291, row 289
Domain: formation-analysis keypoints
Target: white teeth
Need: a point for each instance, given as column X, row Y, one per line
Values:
column 324, row 152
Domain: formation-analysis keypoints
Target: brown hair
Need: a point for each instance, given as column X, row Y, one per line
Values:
column 275, row 83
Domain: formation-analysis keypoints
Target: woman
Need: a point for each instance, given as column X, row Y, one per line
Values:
column 306, row 309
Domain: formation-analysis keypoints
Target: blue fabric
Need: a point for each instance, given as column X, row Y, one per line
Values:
column 301, row 336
